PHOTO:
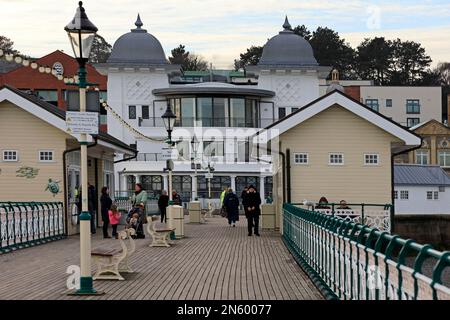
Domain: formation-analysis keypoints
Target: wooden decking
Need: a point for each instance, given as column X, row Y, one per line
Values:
column 214, row 261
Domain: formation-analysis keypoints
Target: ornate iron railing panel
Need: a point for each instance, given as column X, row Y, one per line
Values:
column 24, row 224
column 352, row 261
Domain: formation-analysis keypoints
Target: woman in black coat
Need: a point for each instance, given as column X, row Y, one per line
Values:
column 251, row 202
column 163, row 203
column 105, row 205
column 231, row 204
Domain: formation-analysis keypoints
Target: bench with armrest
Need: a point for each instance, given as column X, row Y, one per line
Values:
column 111, row 261
column 160, row 237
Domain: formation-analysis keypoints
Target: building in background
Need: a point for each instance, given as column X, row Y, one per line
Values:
column 435, row 148
column 48, row 88
column 36, row 150
column 421, row 189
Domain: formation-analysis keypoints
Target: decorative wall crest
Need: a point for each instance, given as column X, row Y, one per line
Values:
column 27, row 172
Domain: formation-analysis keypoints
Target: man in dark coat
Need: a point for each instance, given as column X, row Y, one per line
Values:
column 163, row 203
column 251, row 202
column 231, row 204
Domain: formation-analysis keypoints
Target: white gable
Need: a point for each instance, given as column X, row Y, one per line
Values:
column 337, row 98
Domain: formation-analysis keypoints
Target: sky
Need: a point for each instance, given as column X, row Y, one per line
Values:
column 220, row 30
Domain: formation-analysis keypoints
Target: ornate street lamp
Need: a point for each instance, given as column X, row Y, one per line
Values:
column 81, row 33
column 194, row 149
column 169, row 119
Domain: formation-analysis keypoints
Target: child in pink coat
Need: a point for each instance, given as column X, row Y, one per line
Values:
column 114, row 219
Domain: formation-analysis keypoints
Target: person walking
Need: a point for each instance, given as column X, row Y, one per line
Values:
column 114, row 219
column 105, row 206
column 92, row 206
column 223, row 194
column 163, row 203
column 251, row 202
column 231, row 205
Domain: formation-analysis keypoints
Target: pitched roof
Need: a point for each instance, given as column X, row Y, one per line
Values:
column 413, row 174
column 61, row 114
column 425, row 123
column 338, row 98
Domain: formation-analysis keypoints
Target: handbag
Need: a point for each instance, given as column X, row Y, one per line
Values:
column 223, row 212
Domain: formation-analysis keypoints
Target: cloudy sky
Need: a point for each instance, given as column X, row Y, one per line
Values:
column 220, row 29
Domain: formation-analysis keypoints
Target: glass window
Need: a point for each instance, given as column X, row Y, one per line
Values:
column 183, row 150
column 371, row 159
column 411, row 122
column 395, row 195
column 145, row 112
column 237, row 109
column 183, row 186
column 268, row 186
column 281, row 113
column 444, row 158
column 176, row 108
column 242, row 182
column 131, row 112
column 412, row 106
column 204, row 112
column 388, row 103
column 10, row 155
column 294, row 109
column 429, row 195
column 213, row 148
column 251, row 113
column 243, row 151
column 152, row 184
column 187, row 112
column 372, row 104
column 218, row 184
column 131, row 181
column 300, row 158
column 50, row 96
column 404, row 195
column 219, row 106
column 46, row 156
column 421, row 157
column 436, row 195
column 336, row 159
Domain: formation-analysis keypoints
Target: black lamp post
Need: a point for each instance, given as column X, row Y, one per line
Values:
column 169, row 122
column 194, row 148
column 81, row 33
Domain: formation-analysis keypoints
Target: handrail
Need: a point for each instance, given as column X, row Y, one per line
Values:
column 353, row 261
column 24, row 224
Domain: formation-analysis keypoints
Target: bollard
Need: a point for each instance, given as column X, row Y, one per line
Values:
column 268, row 216
column 195, row 212
column 175, row 220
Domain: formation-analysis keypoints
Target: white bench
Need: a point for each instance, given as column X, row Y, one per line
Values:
column 111, row 261
column 160, row 237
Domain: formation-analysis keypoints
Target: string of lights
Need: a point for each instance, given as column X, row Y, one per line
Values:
column 26, row 62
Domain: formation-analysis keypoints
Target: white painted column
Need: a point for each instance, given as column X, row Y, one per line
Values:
column 261, row 189
column 194, row 187
column 165, row 183
column 233, row 183
column 138, row 178
column 123, row 182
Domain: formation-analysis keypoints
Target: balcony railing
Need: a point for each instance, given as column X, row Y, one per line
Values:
column 203, row 158
column 157, row 122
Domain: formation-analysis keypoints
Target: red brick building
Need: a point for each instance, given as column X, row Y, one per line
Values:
column 47, row 86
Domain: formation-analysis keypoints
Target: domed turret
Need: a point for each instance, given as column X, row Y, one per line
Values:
column 287, row 49
column 138, row 47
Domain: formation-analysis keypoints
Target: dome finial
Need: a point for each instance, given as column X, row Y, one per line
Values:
column 138, row 22
column 335, row 76
column 286, row 24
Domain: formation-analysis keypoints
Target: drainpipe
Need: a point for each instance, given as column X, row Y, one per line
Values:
column 66, row 202
column 288, row 175
column 393, row 183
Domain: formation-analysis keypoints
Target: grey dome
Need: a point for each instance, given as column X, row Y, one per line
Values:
column 289, row 49
column 138, row 47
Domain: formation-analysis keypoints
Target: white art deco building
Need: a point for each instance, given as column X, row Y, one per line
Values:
column 221, row 111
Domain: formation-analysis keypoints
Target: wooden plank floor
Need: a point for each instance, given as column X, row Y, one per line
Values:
column 213, row 261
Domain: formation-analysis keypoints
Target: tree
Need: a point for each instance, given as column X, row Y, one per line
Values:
column 7, row 45
column 188, row 61
column 330, row 50
column 410, row 63
column 100, row 51
column 251, row 57
column 443, row 71
column 374, row 58
column 303, row 31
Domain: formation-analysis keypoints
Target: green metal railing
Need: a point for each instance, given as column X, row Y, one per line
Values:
column 24, row 224
column 351, row 261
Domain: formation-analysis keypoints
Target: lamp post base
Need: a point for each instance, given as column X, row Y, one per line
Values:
column 86, row 288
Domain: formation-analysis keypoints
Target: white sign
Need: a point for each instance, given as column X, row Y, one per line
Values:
column 209, row 175
column 82, row 122
column 169, row 154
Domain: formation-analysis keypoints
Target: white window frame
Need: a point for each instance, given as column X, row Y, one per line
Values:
column 301, row 163
column 395, row 194
column 429, row 195
column 335, row 164
column 402, row 192
column 50, row 151
column 10, row 160
column 423, row 154
column 371, row 154
column 435, row 195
